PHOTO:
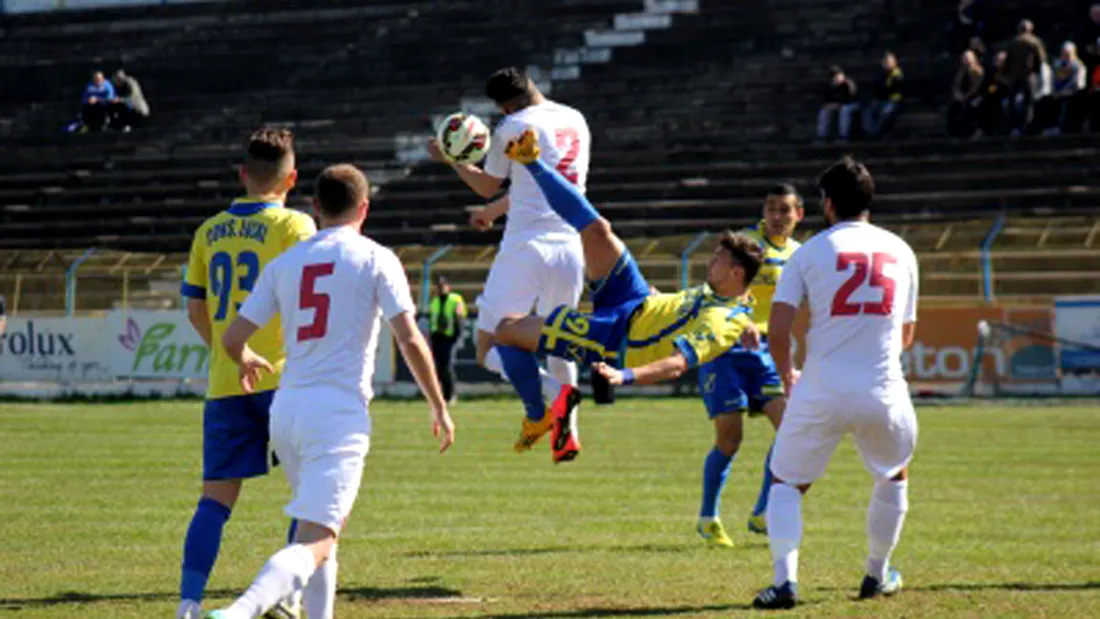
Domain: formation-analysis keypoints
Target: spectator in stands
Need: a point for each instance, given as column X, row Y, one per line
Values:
column 1063, row 108
column 840, row 99
column 1088, row 38
column 965, row 96
column 3, row 316
column 129, row 107
column 1026, row 56
column 95, row 102
column 977, row 45
column 882, row 110
column 994, row 95
column 446, row 315
column 1094, row 101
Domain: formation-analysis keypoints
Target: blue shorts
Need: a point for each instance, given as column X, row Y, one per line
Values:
column 235, row 436
column 740, row 381
column 601, row 334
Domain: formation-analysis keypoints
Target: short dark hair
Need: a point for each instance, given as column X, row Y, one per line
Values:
column 783, row 190
column 745, row 251
column 507, row 85
column 835, row 70
column 441, row 280
column 339, row 189
column 269, row 154
column 850, row 187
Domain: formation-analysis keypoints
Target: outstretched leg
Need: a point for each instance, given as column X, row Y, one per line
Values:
column 602, row 248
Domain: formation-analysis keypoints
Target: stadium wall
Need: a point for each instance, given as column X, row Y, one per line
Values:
column 43, row 6
column 157, row 352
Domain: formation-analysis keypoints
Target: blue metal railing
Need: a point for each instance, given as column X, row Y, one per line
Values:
column 985, row 249
column 70, row 280
column 426, row 276
column 685, row 258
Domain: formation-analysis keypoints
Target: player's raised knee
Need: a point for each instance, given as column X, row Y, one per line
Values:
column 520, row 331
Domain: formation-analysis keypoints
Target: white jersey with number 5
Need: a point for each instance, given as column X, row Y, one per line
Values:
column 565, row 142
column 861, row 282
column 331, row 291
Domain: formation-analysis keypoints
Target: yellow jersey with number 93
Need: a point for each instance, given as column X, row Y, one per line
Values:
column 227, row 255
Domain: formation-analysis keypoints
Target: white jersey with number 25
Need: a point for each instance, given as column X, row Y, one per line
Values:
column 331, row 291
column 861, row 282
column 565, row 142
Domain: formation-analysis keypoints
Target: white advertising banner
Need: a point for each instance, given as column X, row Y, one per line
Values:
column 148, row 344
column 1077, row 320
column 54, row 349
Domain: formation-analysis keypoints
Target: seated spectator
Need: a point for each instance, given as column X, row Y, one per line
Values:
column 977, row 45
column 965, row 96
column 95, row 102
column 840, row 99
column 1088, row 38
column 129, row 107
column 1024, row 62
column 882, row 110
column 1069, row 86
column 994, row 97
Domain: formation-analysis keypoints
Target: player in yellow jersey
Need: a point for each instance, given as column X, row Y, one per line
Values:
column 744, row 380
column 630, row 336
column 228, row 253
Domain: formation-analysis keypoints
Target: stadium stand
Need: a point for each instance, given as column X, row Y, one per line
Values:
column 691, row 127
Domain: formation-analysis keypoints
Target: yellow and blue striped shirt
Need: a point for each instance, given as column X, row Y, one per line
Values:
column 696, row 322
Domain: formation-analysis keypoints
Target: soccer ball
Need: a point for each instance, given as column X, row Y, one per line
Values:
column 463, row 138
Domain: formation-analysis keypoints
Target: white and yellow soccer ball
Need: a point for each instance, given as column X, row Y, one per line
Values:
column 463, row 138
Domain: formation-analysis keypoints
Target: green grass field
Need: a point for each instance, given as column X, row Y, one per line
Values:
column 1005, row 517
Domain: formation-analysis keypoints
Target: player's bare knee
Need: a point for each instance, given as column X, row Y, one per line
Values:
column 803, row 488
column 728, row 445
column 224, row 491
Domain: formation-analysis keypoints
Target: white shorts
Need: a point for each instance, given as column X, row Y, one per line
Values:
column 538, row 274
column 321, row 442
column 884, row 427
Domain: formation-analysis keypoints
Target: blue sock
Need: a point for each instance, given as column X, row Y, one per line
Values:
column 200, row 547
column 716, row 468
column 562, row 196
column 765, row 487
column 291, row 531
column 522, row 369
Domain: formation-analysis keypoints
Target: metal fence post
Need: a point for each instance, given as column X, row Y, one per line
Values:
column 426, row 276
column 70, row 280
column 685, row 258
column 985, row 249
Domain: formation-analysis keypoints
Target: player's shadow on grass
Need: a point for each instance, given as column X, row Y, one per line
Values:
column 415, row 592
column 549, row 550
column 645, row 611
column 993, row 586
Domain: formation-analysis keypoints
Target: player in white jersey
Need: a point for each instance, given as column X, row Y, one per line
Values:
column 330, row 293
column 860, row 282
column 540, row 264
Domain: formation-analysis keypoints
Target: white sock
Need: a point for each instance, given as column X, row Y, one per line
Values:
column 784, row 518
column 550, row 386
column 320, row 594
column 565, row 372
column 284, row 573
column 885, row 516
column 493, row 364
